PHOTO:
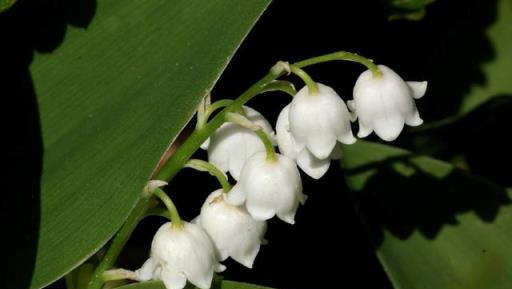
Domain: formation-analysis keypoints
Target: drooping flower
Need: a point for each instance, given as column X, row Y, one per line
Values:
column 318, row 121
column 384, row 104
column 231, row 145
column 234, row 232
column 309, row 163
column 269, row 188
column 181, row 254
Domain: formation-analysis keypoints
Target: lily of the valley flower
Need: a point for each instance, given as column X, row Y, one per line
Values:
column 181, row 254
column 384, row 104
column 231, row 145
column 311, row 165
column 232, row 229
column 318, row 121
column 269, row 188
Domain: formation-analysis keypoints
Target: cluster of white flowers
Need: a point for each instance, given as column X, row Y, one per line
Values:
column 308, row 133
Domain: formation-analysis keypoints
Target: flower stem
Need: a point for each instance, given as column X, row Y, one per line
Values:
column 243, row 121
column 119, row 274
column 119, row 241
column 173, row 212
column 215, row 106
column 269, row 147
column 281, row 85
column 344, row 56
column 185, row 151
column 203, row 105
column 203, row 166
column 312, row 87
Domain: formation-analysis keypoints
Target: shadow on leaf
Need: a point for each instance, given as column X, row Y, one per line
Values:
column 406, row 193
column 480, row 140
column 28, row 27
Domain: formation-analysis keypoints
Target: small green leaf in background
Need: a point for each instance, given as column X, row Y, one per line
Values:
column 470, row 63
column 433, row 225
column 116, row 89
column 496, row 80
column 219, row 284
column 407, row 9
column 6, row 4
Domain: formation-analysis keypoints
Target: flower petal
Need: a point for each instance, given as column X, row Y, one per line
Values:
column 311, row 165
column 175, row 280
column 337, row 152
column 219, row 268
column 389, row 128
column 352, row 109
column 248, row 256
column 233, row 230
column 236, row 196
column 231, row 145
column 288, row 216
column 285, row 140
column 321, row 145
column 384, row 104
column 260, row 210
column 347, row 138
column 206, row 144
column 414, row 119
column 418, row 88
column 145, row 273
column 319, row 120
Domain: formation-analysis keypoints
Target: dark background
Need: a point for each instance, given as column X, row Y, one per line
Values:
column 328, row 246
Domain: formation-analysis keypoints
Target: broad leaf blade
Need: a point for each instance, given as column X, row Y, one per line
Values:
column 434, row 226
column 111, row 98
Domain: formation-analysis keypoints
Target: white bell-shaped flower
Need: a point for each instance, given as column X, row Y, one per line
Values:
column 311, row 165
column 269, row 188
column 234, row 232
column 384, row 104
column 181, row 254
column 231, row 145
column 318, row 121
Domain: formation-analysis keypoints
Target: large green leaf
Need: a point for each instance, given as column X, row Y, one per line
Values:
column 111, row 98
column 495, row 71
column 220, row 284
column 434, row 226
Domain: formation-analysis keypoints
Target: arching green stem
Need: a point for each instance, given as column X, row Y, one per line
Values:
column 181, row 156
column 281, row 85
column 343, row 56
column 243, row 121
column 269, row 147
column 312, row 86
column 214, row 107
column 119, row 274
column 173, row 212
column 204, row 166
column 201, row 110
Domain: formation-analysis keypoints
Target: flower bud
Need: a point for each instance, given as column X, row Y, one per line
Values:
column 232, row 229
column 311, row 165
column 231, row 145
column 318, row 121
column 181, row 254
column 384, row 104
